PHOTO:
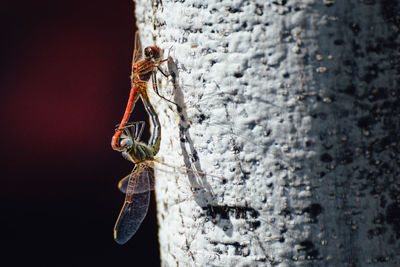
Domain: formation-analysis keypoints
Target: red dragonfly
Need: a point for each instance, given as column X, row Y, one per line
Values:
column 142, row 71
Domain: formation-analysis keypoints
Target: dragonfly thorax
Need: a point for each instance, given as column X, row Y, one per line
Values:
column 138, row 152
column 142, row 72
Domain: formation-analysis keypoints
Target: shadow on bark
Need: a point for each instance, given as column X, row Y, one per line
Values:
column 203, row 193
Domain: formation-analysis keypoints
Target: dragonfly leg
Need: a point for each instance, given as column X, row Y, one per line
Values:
column 162, row 72
column 155, row 87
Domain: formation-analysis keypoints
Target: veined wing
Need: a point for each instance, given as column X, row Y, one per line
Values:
column 137, row 49
column 135, row 206
column 142, row 187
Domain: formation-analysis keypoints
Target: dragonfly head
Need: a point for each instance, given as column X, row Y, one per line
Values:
column 126, row 143
column 153, row 53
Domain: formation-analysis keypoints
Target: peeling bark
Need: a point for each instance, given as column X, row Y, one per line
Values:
column 289, row 111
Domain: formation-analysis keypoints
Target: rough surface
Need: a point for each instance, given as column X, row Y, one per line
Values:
column 291, row 108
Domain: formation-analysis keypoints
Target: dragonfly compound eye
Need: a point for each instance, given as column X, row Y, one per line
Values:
column 157, row 52
column 147, row 52
column 126, row 142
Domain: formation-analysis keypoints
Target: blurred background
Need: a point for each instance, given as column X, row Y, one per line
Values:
column 64, row 84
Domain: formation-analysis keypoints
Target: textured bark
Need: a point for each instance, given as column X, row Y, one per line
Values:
column 292, row 109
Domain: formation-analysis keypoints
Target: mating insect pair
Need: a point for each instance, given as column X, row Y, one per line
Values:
column 126, row 139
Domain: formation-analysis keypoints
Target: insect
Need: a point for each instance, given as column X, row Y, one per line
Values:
column 142, row 71
column 139, row 183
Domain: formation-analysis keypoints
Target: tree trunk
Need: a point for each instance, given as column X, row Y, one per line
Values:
column 289, row 111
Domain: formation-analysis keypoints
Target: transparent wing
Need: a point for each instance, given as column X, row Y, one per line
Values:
column 137, row 49
column 140, row 188
column 135, row 206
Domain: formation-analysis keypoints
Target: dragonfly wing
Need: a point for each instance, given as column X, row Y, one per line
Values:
column 135, row 206
column 137, row 49
column 140, row 188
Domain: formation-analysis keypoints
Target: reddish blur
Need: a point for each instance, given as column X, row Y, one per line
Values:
column 64, row 84
column 67, row 85
column 59, row 97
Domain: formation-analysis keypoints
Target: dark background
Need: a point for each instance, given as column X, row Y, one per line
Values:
column 64, row 80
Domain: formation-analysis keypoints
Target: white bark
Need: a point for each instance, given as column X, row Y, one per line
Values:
column 291, row 107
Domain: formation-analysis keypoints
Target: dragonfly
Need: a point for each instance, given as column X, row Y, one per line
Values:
column 138, row 184
column 142, row 70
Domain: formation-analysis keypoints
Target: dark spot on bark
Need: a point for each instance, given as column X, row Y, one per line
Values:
column 393, row 217
column 355, row 28
column 201, row 118
column 225, row 211
column 213, row 211
column 327, row 146
column 390, row 11
column 383, row 202
column 326, row 157
column 347, row 157
column 350, row 90
column 377, row 94
column 381, row 259
column 372, row 73
column 286, row 75
column 238, row 247
column 195, row 157
column 285, row 212
column 349, row 62
column 314, row 210
column 244, row 25
column 238, row 74
column 338, row 42
column 281, row 239
column 254, row 225
column 376, row 232
column 357, row 49
column 297, row 8
column 308, row 247
column 279, row 2
column 386, row 141
column 374, row 47
column 251, row 125
column 253, row 213
column 364, row 122
column 232, row 9
column 165, row 206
